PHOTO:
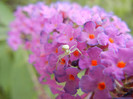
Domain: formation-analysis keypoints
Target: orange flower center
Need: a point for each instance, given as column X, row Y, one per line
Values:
column 42, row 55
column 56, row 50
column 101, row 86
column 46, row 62
column 76, row 53
column 111, row 40
column 94, row 62
column 42, row 25
column 71, row 77
column 71, row 39
column 55, row 25
column 91, row 36
column 121, row 64
column 63, row 61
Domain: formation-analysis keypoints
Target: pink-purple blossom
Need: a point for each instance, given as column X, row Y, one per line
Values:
column 66, row 39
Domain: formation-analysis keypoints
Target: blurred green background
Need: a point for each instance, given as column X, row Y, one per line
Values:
column 16, row 75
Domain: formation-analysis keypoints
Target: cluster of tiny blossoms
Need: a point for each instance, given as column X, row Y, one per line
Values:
column 74, row 48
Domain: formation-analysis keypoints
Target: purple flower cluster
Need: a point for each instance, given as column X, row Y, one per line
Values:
column 74, row 48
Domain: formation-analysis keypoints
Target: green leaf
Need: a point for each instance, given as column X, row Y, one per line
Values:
column 22, row 86
column 3, row 33
column 6, row 15
column 5, row 67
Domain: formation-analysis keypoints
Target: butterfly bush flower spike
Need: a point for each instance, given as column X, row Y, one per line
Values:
column 75, row 48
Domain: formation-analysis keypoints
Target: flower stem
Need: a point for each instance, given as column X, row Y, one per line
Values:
column 39, row 88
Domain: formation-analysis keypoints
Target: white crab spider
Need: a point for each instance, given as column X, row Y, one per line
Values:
column 67, row 51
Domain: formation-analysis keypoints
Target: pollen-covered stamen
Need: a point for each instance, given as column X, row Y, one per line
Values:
column 71, row 77
column 94, row 62
column 101, row 86
column 91, row 36
column 76, row 53
column 121, row 64
column 111, row 40
column 71, row 39
column 63, row 61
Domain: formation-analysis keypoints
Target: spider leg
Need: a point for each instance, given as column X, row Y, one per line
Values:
column 60, row 57
column 77, row 50
column 72, row 47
